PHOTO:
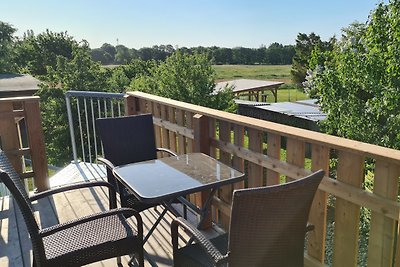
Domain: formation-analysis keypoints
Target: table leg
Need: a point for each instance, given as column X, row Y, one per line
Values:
column 153, row 227
column 206, row 218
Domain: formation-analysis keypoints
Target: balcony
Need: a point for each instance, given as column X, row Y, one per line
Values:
column 268, row 153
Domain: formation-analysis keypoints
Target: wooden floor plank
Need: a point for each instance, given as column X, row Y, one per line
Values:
column 10, row 250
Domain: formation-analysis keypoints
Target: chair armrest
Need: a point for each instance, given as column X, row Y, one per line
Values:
column 127, row 212
column 160, row 149
column 106, row 162
column 79, row 185
column 213, row 253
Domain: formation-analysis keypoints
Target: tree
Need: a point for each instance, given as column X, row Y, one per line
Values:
column 187, row 78
column 110, row 52
column 123, row 75
column 79, row 73
column 274, row 54
column 222, row 56
column 35, row 53
column 6, row 48
column 358, row 84
column 122, row 55
column 99, row 55
column 305, row 44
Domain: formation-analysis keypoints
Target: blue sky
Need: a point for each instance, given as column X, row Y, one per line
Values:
column 224, row 23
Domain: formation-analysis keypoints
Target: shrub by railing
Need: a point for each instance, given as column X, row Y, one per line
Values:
column 257, row 147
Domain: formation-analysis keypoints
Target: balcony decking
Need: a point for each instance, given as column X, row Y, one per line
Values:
column 15, row 246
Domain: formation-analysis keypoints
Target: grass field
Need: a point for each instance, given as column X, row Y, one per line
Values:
column 281, row 73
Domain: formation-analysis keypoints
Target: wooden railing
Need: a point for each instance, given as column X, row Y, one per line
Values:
column 272, row 153
column 21, row 135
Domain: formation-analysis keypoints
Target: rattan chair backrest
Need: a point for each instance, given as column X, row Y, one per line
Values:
column 268, row 224
column 127, row 139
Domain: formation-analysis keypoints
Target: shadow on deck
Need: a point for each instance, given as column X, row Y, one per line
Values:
column 15, row 247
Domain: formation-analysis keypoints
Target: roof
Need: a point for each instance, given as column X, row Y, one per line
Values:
column 242, row 85
column 18, row 82
column 307, row 110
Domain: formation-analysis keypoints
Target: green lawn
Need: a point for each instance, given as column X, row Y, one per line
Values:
column 281, row 73
column 262, row 72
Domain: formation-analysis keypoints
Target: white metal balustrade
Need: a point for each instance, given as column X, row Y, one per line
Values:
column 83, row 108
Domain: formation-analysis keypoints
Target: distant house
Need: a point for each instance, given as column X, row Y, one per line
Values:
column 13, row 85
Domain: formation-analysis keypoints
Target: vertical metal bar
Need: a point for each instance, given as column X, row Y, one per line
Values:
column 105, row 108
column 112, row 107
column 99, row 107
column 94, row 128
column 102, row 149
column 87, row 130
column 80, row 129
column 71, row 128
column 119, row 108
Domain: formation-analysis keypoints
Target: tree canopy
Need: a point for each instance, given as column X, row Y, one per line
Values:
column 187, row 78
column 275, row 54
column 305, row 45
column 6, row 47
column 358, row 82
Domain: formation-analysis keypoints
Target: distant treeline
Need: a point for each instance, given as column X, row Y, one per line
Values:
column 275, row 54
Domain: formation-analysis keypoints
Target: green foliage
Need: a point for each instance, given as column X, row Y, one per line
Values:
column 55, row 125
column 276, row 54
column 124, row 74
column 358, row 84
column 35, row 53
column 305, row 44
column 79, row 73
column 6, row 48
column 188, row 78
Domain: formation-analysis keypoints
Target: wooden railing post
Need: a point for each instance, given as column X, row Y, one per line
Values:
column 255, row 173
column 350, row 170
column 131, row 105
column 201, row 144
column 273, row 151
column 164, row 132
column 201, row 134
column 36, row 143
column 9, row 133
column 382, row 231
column 318, row 212
column 295, row 154
column 172, row 135
column 225, row 192
column 237, row 162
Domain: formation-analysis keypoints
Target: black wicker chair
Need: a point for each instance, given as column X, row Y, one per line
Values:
column 126, row 140
column 267, row 228
column 78, row 242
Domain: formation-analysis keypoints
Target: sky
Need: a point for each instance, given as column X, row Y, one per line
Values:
column 190, row 23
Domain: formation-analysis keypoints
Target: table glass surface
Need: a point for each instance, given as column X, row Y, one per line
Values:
column 174, row 176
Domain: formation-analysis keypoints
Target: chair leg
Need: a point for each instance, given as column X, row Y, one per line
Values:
column 140, row 258
column 119, row 263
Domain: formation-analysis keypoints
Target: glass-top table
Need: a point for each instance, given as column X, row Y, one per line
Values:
column 172, row 178
column 167, row 178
